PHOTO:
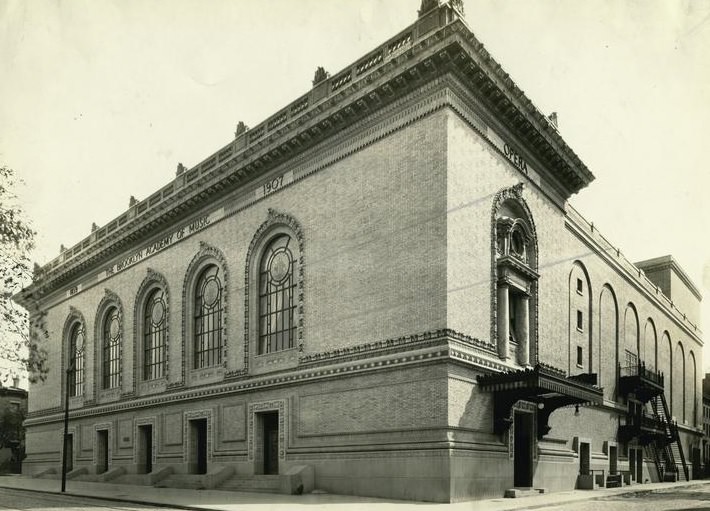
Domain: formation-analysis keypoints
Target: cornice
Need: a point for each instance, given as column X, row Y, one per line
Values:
column 431, row 47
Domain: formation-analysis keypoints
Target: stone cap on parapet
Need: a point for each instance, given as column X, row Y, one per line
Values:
column 438, row 43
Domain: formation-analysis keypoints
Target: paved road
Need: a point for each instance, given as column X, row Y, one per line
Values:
column 18, row 500
column 697, row 498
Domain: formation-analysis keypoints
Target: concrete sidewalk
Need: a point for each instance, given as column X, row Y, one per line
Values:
column 239, row 501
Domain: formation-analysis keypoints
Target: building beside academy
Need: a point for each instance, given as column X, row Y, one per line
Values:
column 379, row 290
column 13, row 409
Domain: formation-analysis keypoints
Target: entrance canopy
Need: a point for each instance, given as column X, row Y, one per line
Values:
column 543, row 385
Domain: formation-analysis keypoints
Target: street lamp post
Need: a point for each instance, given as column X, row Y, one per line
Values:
column 66, row 428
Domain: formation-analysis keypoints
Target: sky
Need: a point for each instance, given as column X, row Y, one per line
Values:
column 102, row 99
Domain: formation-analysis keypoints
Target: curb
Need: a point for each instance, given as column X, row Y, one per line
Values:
column 522, row 507
column 112, row 499
column 686, row 484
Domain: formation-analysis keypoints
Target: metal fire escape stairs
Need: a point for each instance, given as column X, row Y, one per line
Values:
column 649, row 421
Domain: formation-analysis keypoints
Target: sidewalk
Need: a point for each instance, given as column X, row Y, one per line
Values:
column 233, row 501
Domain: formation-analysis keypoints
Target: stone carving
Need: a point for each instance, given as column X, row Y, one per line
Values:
column 428, row 5
column 132, row 201
column 180, row 169
column 320, row 75
column 457, row 5
column 241, row 129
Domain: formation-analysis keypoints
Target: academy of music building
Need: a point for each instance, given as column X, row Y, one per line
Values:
column 379, row 290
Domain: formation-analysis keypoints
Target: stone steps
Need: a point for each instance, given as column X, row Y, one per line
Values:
column 188, row 481
column 255, row 483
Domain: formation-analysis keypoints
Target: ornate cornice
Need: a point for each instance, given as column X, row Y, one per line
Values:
column 430, row 48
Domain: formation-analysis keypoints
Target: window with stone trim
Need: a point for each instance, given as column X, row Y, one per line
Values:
column 208, row 319
column 111, row 351
column 277, row 296
column 155, row 328
column 75, row 380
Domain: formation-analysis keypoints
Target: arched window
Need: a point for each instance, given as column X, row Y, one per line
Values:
column 208, row 319
column 111, row 351
column 277, row 296
column 75, row 380
column 514, row 277
column 155, row 328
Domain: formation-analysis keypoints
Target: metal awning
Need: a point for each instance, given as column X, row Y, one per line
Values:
column 546, row 386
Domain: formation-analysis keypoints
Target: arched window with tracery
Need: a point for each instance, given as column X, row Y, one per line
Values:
column 111, row 349
column 208, row 319
column 277, row 296
column 75, row 380
column 155, row 328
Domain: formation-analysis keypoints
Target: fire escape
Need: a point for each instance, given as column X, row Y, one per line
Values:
column 651, row 425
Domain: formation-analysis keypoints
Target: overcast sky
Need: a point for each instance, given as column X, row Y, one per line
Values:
column 101, row 99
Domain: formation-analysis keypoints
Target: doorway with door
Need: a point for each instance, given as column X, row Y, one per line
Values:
column 145, row 449
column 102, row 451
column 523, row 449
column 197, row 462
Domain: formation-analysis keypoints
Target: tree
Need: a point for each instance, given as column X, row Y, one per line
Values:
column 22, row 332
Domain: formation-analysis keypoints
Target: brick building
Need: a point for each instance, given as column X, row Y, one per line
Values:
column 13, row 409
column 379, row 290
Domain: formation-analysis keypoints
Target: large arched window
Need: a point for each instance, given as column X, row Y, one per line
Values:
column 111, row 349
column 208, row 319
column 75, row 380
column 155, row 329
column 514, row 277
column 277, row 293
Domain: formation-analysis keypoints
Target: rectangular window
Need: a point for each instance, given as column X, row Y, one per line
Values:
column 580, row 288
column 580, row 321
column 580, row 356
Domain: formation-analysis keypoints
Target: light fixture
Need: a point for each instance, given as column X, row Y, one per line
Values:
column 576, row 410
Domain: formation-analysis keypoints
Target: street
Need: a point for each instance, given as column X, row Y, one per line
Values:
column 17, row 500
column 695, row 498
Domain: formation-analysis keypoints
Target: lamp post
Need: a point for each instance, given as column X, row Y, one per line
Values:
column 66, row 427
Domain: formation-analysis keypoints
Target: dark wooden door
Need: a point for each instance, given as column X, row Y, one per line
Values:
column 201, row 441
column 271, row 443
column 523, row 462
column 148, row 448
column 102, row 451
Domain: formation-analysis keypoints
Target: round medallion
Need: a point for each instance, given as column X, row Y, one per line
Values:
column 279, row 266
column 79, row 347
column 158, row 312
column 210, row 292
column 113, row 328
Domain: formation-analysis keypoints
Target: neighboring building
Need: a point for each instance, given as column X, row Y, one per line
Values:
column 379, row 290
column 13, row 410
